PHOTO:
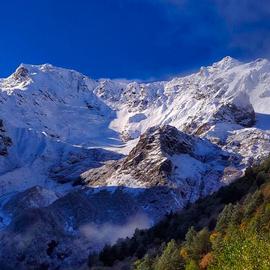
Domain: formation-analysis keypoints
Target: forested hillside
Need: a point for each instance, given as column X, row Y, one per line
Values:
column 227, row 230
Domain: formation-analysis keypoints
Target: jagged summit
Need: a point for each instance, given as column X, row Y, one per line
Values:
column 148, row 162
column 226, row 63
column 171, row 140
column 165, row 156
column 47, row 67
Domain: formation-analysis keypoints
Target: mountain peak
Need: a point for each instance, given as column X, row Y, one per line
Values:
column 171, row 140
column 226, row 63
column 21, row 73
column 34, row 68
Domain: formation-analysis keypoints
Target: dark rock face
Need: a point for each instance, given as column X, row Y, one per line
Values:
column 167, row 138
column 149, row 159
column 70, row 166
column 175, row 142
column 226, row 113
column 167, row 157
column 148, row 162
column 21, row 73
column 5, row 141
column 34, row 197
column 232, row 114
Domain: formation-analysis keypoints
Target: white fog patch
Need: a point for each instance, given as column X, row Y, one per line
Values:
column 108, row 233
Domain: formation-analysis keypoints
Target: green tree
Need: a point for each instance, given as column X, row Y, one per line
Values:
column 197, row 244
column 237, row 215
column 251, row 205
column 144, row 264
column 192, row 265
column 190, row 236
column 170, row 258
column 224, row 218
column 242, row 251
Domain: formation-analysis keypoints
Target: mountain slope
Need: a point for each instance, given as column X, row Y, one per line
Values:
column 154, row 147
column 237, row 217
column 50, row 108
column 166, row 157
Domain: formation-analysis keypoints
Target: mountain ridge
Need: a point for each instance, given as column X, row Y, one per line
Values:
column 68, row 141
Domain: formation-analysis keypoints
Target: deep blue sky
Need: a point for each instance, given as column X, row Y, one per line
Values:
column 140, row 39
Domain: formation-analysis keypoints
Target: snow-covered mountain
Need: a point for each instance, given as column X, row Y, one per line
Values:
column 165, row 157
column 67, row 141
column 46, row 108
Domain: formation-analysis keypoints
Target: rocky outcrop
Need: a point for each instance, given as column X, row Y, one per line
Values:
column 230, row 113
column 34, row 197
column 5, row 141
column 165, row 156
column 21, row 73
column 148, row 161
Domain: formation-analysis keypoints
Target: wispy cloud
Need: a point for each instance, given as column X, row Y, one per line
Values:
column 243, row 25
column 248, row 23
column 109, row 233
column 243, row 11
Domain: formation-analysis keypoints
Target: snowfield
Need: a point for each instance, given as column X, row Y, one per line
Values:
column 52, row 114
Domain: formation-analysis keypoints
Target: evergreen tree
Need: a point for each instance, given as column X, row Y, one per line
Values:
column 170, row 258
column 224, row 218
column 255, row 200
column 237, row 215
column 192, row 265
column 190, row 236
column 144, row 264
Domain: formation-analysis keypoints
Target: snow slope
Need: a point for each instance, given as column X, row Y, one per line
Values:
column 54, row 115
column 52, row 118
